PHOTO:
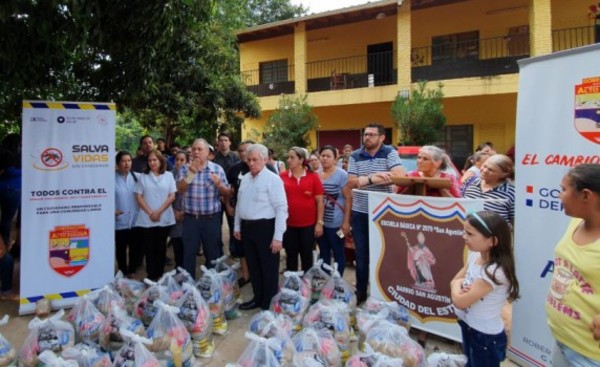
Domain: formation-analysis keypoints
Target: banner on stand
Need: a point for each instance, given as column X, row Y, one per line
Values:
column 550, row 140
column 416, row 247
column 67, row 203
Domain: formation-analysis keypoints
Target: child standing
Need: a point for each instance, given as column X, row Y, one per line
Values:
column 573, row 300
column 480, row 289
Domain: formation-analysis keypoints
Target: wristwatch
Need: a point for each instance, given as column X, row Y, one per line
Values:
column 320, row 222
column 370, row 178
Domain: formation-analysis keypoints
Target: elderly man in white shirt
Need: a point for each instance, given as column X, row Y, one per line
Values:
column 260, row 221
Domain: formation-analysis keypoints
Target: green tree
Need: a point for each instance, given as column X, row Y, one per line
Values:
column 289, row 125
column 420, row 118
column 238, row 14
column 170, row 62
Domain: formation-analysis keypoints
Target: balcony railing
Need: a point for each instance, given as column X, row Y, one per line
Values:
column 474, row 58
column 270, row 81
column 370, row 70
column 564, row 39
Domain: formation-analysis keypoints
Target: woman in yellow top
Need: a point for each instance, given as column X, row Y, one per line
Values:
column 574, row 296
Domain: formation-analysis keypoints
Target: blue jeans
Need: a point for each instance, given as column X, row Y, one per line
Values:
column 331, row 242
column 482, row 350
column 7, row 265
column 571, row 358
column 10, row 201
column 360, row 232
column 204, row 229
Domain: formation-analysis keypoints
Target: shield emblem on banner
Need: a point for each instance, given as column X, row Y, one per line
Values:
column 421, row 251
column 587, row 110
column 69, row 249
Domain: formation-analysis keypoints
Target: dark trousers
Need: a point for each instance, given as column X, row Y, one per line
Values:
column 235, row 246
column 330, row 242
column 481, row 349
column 205, row 229
column 177, row 244
column 10, row 201
column 299, row 241
column 263, row 264
column 154, row 240
column 360, row 233
column 128, row 239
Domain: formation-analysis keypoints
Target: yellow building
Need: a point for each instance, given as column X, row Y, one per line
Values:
column 353, row 62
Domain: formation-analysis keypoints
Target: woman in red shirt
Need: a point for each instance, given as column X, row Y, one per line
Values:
column 304, row 192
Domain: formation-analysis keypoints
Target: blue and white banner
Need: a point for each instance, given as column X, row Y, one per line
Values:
column 558, row 127
column 68, row 201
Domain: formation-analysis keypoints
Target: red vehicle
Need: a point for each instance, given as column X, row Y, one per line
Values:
column 408, row 154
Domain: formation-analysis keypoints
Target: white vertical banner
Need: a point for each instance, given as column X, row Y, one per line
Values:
column 67, row 202
column 416, row 247
column 558, row 127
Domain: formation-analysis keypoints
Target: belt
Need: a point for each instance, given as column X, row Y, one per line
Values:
column 200, row 216
column 250, row 221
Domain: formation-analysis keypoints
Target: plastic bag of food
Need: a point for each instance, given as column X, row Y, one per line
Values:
column 370, row 358
column 366, row 319
column 170, row 339
column 259, row 322
column 229, row 281
column 210, row 286
column 86, row 319
column 195, row 315
column 292, row 304
column 8, row 354
column 51, row 334
column 130, row 289
column 171, row 286
column 293, row 280
column 259, row 353
column 396, row 312
column 447, row 360
column 392, row 340
column 145, row 309
column 50, row 359
column 222, row 266
column 182, row 276
column 316, row 347
column 111, row 339
column 339, row 289
column 316, row 278
column 87, row 355
column 134, row 352
column 334, row 316
column 286, row 349
column 105, row 297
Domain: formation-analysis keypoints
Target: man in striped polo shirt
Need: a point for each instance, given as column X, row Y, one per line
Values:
column 373, row 157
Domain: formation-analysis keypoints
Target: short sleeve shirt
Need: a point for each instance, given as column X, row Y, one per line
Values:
column 155, row 190
column 363, row 164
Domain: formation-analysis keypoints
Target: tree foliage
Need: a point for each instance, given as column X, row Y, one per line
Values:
column 289, row 125
column 170, row 62
column 238, row 14
column 420, row 118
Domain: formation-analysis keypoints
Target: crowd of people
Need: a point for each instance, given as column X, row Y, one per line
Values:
column 181, row 195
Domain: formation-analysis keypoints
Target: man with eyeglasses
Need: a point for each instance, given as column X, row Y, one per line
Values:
column 373, row 157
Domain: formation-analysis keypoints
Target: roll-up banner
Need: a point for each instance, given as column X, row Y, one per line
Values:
column 67, row 205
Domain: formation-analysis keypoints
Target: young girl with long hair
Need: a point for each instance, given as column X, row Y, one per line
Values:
column 480, row 289
column 573, row 300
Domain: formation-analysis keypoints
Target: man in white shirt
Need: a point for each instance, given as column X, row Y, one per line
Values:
column 260, row 221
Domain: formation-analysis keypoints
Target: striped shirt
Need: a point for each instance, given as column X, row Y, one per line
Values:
column 202, row 196
column 503, row 197
column 363, row 164
column 333, row 216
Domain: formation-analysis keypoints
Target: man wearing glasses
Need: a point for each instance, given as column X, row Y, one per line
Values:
column 373, row 157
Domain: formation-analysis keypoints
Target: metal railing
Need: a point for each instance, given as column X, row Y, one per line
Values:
column 564, row 39
column 472, row 58
column 361, row 71
column 270, row 81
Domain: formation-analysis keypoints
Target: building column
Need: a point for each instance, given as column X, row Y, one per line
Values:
column 404, row 45
column 540, row 26
column 300, row 58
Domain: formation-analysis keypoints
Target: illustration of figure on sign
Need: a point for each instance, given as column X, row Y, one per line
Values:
column 419, row 262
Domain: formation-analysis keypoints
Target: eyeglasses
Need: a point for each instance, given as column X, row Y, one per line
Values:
column 370, row 135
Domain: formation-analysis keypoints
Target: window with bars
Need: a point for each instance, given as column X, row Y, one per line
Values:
column 273, row 71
